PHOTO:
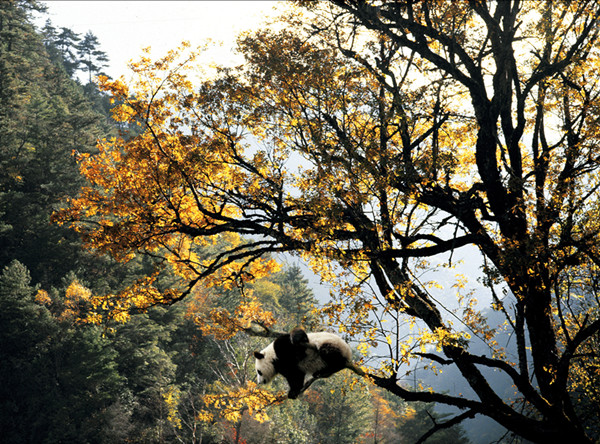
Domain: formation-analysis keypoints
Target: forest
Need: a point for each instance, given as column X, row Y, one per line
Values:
column 155, row 232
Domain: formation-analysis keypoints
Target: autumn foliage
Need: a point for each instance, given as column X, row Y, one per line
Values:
column 377, row 140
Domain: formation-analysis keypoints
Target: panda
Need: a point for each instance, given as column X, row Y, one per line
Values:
column 302, row 358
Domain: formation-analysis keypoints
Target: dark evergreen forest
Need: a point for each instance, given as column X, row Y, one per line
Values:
column 64, row 381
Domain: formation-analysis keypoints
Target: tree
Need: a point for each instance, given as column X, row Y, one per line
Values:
column 44, row 118
column 342, row 413
column 420, row 128
column 296, row 297
column 66, row 43
column 90, row 56
column 145, row 359
column 23, row 351
column 60, row 381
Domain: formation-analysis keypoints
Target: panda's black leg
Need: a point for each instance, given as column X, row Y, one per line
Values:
column 294, row 393
column 295, row 381
column 333, row 358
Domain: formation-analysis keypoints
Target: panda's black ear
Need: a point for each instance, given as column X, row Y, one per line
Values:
column 258, row 355
column 298, row 336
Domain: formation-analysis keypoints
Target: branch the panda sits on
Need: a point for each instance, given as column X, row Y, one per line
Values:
column 302, row 358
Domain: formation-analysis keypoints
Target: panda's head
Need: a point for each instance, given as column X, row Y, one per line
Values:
column 265, row 364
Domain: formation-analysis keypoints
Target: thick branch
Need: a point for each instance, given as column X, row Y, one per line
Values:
column 441, row 246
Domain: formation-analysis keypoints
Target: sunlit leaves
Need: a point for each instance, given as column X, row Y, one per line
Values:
column 171, row 398
column 222, row 324
column 163, row 192
column 231, row 404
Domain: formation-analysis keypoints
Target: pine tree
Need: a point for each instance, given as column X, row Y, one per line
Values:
column 66, row 42
column 296, row 298
column 44, row 118
column 59, row 380
column 49, row 36
column 25, row 332
column 91, row 56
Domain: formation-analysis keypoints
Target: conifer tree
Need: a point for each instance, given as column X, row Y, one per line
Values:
column 66, row 42
column 90, row 56
column 44, row 119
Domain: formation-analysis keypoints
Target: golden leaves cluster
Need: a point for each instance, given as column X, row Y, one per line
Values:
column 73, row 307
column 166, row 192
column 222, row 324
column 231, row 404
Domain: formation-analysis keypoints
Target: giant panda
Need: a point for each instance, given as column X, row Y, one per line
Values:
column 302, row 358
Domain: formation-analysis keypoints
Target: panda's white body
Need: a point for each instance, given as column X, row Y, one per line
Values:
column 311, row 364
column 302, row 357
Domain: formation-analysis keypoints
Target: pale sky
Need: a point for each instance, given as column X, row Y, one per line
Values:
column 123, row 28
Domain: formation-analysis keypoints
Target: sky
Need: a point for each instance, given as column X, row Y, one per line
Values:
column 124, row 28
